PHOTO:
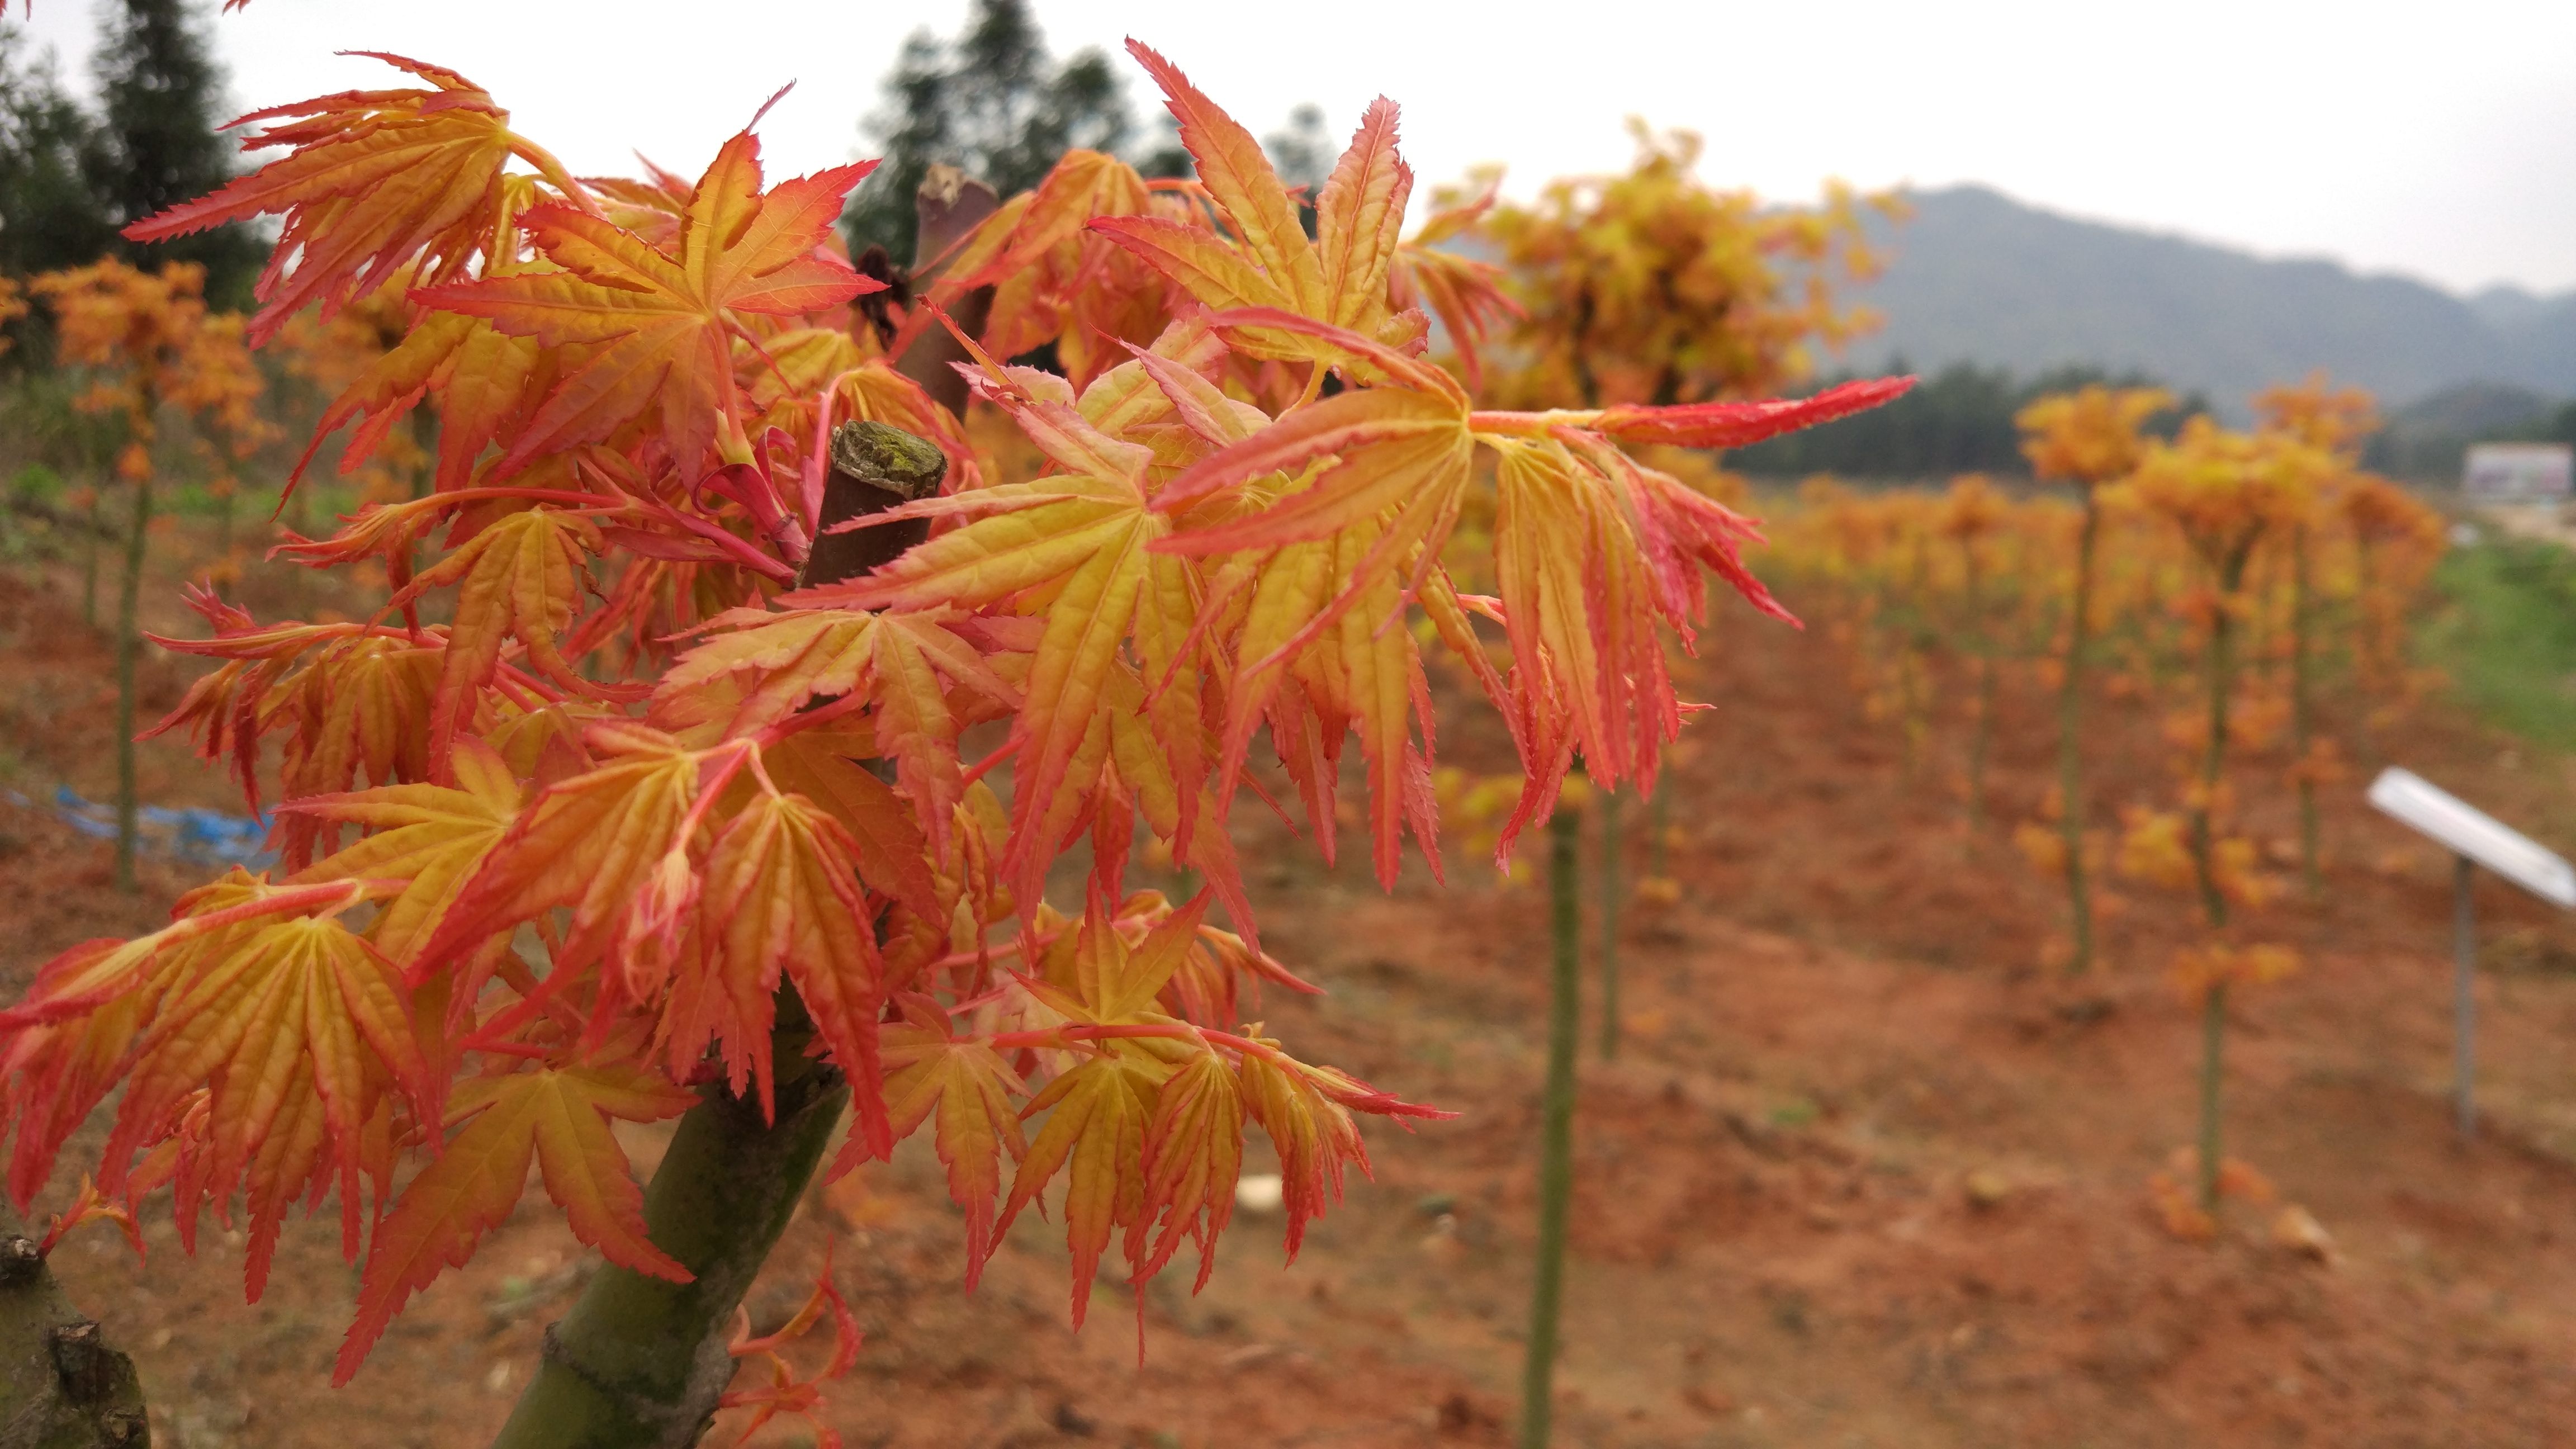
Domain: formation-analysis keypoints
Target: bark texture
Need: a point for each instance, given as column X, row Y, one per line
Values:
column 61, row 1385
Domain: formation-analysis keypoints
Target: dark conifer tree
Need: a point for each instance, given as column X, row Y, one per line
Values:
column 161, row 101
column 991, row 102
column 52, row 214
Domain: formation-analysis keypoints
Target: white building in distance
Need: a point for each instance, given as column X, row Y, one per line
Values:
column 2518, row 473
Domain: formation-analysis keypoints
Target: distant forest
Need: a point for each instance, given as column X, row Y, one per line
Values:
column 1957, row 420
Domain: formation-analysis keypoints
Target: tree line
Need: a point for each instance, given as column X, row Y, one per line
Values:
column 74, row 173
column 1960, row 419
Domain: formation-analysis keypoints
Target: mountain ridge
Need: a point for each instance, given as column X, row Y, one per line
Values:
column 1978, row 276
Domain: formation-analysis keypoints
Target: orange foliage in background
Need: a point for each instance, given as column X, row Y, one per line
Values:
column 148, row 339
column 1652, row 287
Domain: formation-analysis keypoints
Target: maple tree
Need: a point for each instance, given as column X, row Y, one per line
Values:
column 1652, row 286
column 2224, row 493
column 2396, row 539
column 2087, row 438
column 146, row 339
column 583, row 826
column 1648, row 286
column 2334, row 423
column 1974, row 519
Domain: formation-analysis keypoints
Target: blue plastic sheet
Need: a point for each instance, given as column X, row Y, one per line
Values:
column 203, row 837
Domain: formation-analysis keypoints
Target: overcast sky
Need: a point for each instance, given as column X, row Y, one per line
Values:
column 2437, row 141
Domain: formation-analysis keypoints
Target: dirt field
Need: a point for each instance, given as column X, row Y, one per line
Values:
column 1865, row 1173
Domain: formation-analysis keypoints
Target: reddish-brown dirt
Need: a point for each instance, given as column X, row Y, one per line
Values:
column 1842, row 1027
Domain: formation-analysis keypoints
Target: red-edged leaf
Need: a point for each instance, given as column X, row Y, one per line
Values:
column 560, row 1117
column 376, row 181
column 661, row 324
column 1739, row 424
column 970, row 1086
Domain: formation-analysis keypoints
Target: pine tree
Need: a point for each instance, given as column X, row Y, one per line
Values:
column 161, row 102
column 51, row 214
column 992, row 102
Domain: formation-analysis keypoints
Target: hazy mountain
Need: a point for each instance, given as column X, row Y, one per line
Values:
column 1978, row 277
column 2509, row 308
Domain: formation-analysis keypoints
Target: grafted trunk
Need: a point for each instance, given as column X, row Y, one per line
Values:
column 639, row 1362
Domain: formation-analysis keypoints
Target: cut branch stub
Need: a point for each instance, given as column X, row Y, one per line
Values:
column 874, row 468
column 61, row 1385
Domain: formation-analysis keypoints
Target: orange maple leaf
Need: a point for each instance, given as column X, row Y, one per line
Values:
column 1339, row 279
column 591, row 842
column 484, row 379
column 350, row 695
column 518, row 577
column 429, row 837
column 1591, row 548
column 1079, row 541
column 377, row 181
column 661, row 325
column 292, row 1028
column 1147, row 1121
column 785, row 1393
column 781, row 899
column 559, row 1116
column 929, row 1068
column 902, row 665
column 1097, row 1112
column 1053, row 278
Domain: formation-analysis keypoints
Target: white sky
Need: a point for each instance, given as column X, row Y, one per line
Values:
column 2438, row 141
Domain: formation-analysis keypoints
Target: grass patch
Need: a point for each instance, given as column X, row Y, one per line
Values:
column 2506, row 636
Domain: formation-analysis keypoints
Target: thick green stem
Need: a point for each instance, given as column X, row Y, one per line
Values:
column 1609, row 924
column 1556, row 1132
column 2213, row 1042
column 2070, row 753
column 639, row 1363
column 129, row 642
column 2302, row 717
